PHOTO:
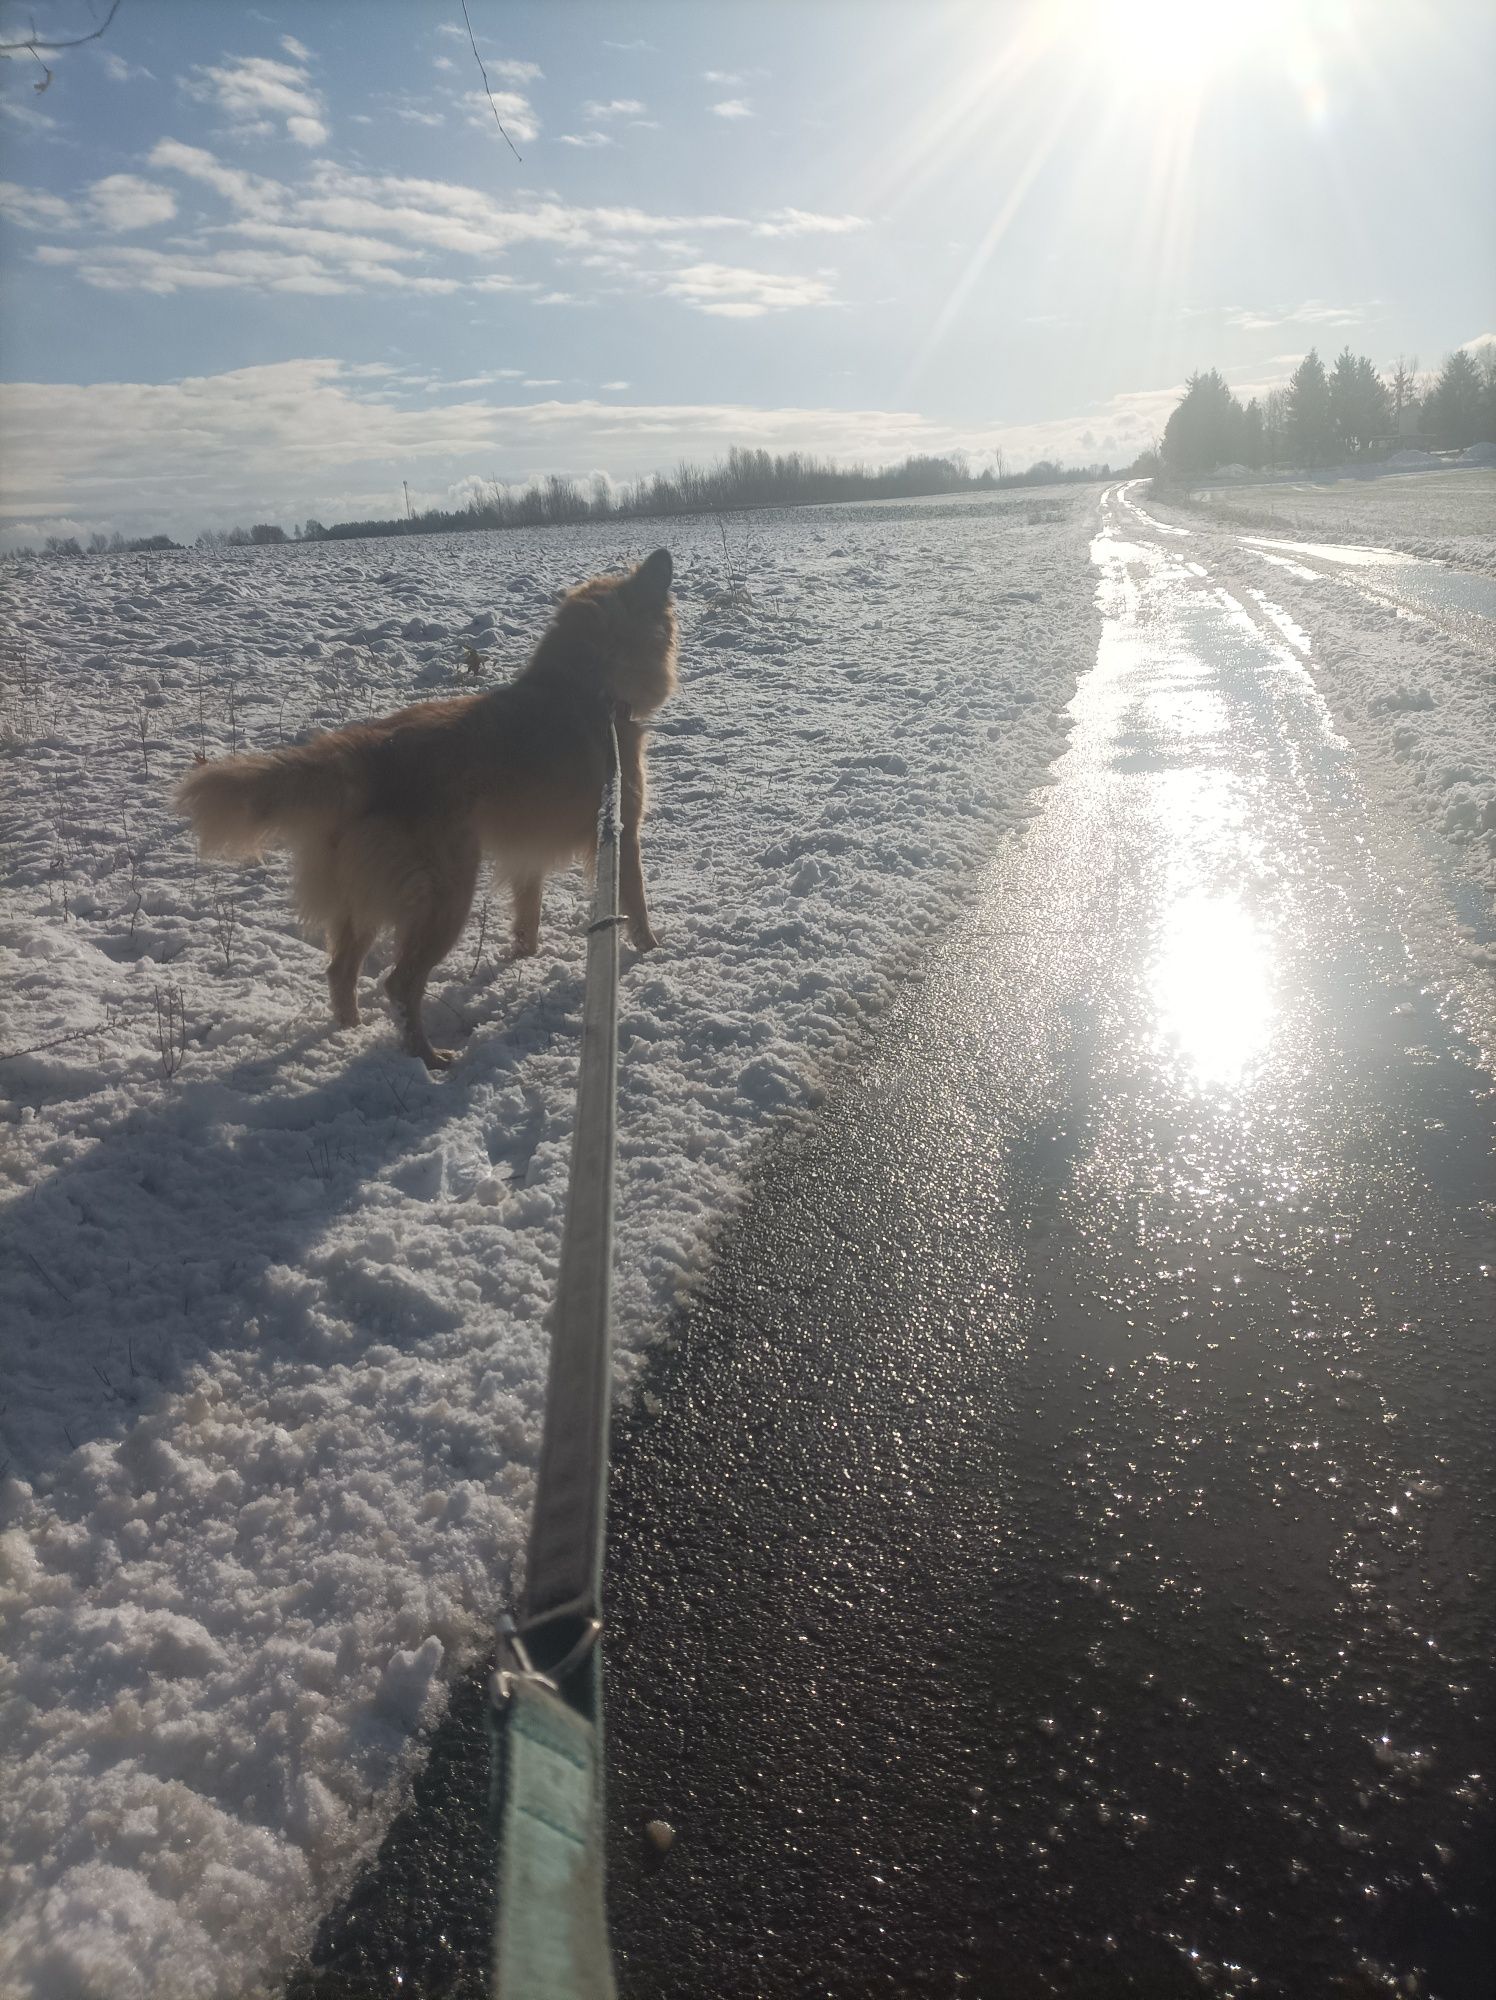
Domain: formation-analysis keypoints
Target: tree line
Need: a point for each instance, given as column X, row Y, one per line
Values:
column 744, row 479
column 1331, row 416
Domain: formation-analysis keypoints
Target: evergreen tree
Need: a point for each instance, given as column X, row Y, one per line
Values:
column 1310, row 431
column 1358, row 403
column 1204, row 429
column 1253, row 436
column 1454, row 412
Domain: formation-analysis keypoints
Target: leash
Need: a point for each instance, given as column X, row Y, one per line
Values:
column 550, row 1931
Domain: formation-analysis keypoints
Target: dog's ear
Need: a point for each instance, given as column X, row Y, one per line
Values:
column 649, row 585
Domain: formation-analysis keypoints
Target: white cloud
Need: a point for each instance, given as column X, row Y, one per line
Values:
column 725, row 78
column 120, row 71
column 729, row 292
column 326, row 438
column 616, row 107
column 804, row 222
column 733, row 107
column 1313, row 312
column 613, row 385
column 124, row 201
column 346, row 229
column 254, row 193
column 33, row 208
column 541, row 382
column 178, row 453
column 516, row 113
column 254, row 90
column 26, row 115
column 588, row 139
column 512, row 71
column 165, row 271
column 297, row 49
column 323, row 242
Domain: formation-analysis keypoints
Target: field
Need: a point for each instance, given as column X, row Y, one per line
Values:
column 1449, row 515
column 275, row 1295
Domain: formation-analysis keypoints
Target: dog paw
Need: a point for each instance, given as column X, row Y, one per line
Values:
column 524, row 947
column 643, row 940
column 438, row 1058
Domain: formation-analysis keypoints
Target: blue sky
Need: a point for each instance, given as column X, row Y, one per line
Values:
column 266, row 263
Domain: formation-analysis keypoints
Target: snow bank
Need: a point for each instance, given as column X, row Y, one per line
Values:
column 274, row 1298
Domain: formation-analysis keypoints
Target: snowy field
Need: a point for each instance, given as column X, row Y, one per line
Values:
column 1448, row 515
column 273, row 1296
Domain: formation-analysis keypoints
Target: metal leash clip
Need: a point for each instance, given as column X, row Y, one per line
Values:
column 502, row 1682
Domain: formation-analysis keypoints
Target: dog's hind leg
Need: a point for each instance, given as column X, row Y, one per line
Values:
column 527, row 915
column 350, row 949
column 425, row 939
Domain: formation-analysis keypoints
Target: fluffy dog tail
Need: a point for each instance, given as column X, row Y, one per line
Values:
column 242, row 805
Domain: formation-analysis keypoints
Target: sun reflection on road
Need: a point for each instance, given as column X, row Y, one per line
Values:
column 1212, row 988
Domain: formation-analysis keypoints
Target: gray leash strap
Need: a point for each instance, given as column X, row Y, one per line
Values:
column 550, row 1934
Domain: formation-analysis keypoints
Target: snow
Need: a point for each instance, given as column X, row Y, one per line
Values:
column 274, row 1298
column 1447, row 514
column 1416, row 699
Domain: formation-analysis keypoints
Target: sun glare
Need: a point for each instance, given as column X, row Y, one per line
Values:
column 1157, row 45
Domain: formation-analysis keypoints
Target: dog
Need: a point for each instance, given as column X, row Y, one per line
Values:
column 388, row 821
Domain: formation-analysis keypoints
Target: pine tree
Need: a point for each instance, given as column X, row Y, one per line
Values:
column 1310, row 431
column 1454, row 411
column 1204, row 428
column 1253, row 436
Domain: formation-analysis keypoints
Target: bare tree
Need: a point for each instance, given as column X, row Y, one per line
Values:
column 34, row 43
column 1404, row 380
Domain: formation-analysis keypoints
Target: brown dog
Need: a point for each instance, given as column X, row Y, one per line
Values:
column 387, row 821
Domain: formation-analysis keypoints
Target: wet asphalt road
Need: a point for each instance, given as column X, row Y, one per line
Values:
column 1054, row 1556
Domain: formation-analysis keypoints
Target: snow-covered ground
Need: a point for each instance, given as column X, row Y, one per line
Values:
column 1449, row 514
column 273, row 1297
column 1415, row 699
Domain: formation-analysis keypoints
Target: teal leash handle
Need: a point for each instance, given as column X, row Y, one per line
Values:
column 550, row 1931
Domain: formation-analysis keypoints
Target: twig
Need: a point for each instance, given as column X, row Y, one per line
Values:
column 34, row 41
column 42, row 1272
column 482, row 934
column 171, row 1029
column 496, row 119
column 105, row 1027
column 225, row 921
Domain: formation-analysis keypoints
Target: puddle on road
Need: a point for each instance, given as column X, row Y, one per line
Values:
column 1212, row 987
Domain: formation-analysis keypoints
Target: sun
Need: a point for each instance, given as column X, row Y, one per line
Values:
column 1162, row 45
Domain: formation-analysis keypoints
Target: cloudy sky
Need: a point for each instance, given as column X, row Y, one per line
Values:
column 264, row 263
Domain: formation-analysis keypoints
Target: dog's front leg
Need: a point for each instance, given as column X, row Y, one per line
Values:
column 631, row 891
column 630, row 861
